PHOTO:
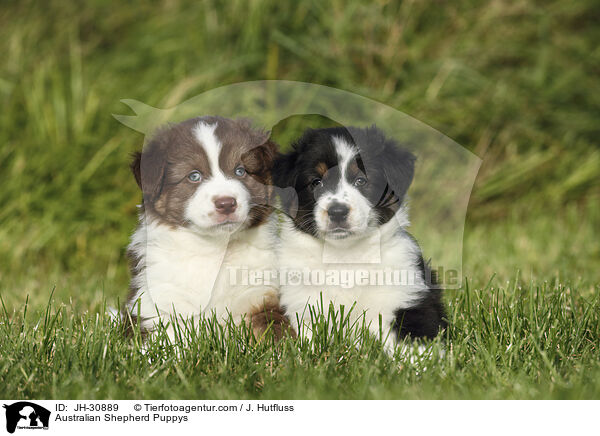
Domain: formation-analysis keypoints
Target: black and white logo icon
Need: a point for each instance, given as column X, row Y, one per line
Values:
column 26, row 415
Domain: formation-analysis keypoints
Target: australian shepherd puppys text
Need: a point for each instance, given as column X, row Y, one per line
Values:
column 206, row 193
column 349, row 217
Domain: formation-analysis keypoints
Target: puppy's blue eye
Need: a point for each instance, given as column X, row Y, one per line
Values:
column 360, row 181
column 195, row 176
column 316, row 182
column 240, row 171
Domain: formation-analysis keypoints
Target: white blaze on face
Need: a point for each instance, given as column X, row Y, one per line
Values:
column 200, row 209
column 345, row 193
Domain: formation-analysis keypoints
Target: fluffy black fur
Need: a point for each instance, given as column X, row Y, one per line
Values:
column 427, row 318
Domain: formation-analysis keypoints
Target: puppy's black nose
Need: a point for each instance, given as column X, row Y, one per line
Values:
column 225, row 205
column 338, row 212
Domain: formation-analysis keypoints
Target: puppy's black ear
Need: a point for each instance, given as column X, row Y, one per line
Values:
column 149, row 168
column 398, row 167
column 285, row 171
column 285, row 175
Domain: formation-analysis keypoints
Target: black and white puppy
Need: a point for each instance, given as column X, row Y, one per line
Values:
column 206, row 185
column 349, row 217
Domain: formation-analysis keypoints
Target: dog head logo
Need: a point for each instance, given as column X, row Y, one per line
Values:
column 26, row 415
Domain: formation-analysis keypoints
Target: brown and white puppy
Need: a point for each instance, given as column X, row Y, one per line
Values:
column 206, row 209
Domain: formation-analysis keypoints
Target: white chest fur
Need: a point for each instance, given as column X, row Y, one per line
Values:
column 183, row 273
column 378, row 274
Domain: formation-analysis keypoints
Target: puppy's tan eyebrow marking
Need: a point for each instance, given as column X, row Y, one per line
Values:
column 353, row 169
column 321, row 168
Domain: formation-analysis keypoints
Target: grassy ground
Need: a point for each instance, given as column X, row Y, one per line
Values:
column 515, row 82
column 537, row 341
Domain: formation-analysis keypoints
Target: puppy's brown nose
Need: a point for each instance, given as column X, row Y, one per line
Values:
column 225, row 205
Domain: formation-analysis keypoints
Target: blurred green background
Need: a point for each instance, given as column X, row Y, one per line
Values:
column 516, row 82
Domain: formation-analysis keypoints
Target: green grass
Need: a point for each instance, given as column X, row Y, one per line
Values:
column 514, row 82
column 538, row 341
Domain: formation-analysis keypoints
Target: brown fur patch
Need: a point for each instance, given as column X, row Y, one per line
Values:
column 353, row 171
column 160, row 169
column 321, row 168
column 271, row 317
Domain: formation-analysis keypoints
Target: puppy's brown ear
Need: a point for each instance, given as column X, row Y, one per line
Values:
column 259, row 161
column 149, row 168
